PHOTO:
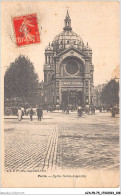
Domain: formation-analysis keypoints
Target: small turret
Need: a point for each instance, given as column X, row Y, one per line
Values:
column 49, row 48
column 49, row 53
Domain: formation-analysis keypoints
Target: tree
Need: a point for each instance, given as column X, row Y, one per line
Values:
column 20, row 79
column 110, row 93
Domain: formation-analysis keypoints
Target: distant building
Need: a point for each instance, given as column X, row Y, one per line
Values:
column 68, row 69
column 97, row 95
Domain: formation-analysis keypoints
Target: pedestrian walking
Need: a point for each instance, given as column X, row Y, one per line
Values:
column 87, row 109
column 63, row 109
column 39, row 113
column 100, row 108
column 19, row 114
column 42, row 113
column 67, row 110
column 92, row 108
column 22, row 109
column 79, row 111
column 31, row 114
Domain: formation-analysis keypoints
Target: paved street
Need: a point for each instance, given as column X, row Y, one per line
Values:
column 61, row 140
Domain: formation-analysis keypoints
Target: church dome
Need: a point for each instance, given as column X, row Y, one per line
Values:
column 67, row 38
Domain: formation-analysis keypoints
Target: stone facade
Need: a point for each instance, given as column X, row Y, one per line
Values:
column 97, row 95
column 68, row 69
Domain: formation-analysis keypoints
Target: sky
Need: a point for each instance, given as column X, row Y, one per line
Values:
column 97, row 23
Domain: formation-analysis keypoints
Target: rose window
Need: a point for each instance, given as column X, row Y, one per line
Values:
column 72, row 67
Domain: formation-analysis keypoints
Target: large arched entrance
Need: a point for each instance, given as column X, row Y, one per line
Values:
column 72, row 97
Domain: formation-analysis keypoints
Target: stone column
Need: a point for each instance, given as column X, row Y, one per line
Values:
column 45, row 58
column 89, row 92
column 60, row 91
column 87, row 70
column 57, row 67
column 49, row 59
column 84, row 91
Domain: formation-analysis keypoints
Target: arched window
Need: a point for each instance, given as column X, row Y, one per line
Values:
column 45, row 77
column 49, row 59
column 49, row 76
column 46, row 59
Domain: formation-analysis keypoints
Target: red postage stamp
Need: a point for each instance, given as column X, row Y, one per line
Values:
column 26, row 29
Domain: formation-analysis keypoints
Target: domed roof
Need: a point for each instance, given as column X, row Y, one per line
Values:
column 67, row 38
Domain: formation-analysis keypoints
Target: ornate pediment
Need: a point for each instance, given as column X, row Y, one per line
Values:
column 72, row 51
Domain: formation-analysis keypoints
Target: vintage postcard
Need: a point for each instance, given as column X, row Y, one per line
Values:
column 60, row 94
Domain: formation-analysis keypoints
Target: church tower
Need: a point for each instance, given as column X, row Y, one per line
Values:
column 49, row 64
column 68, row 69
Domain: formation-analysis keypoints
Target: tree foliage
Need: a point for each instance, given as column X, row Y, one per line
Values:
column 110, row 93
column 20, row 79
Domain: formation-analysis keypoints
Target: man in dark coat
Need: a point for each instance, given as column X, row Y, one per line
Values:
column 79, row 111
column 39, row 113
column 31, row 114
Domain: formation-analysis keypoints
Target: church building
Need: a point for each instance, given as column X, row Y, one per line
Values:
column 68, row 69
